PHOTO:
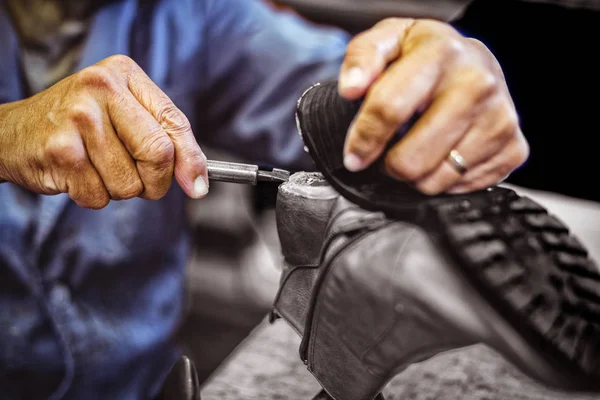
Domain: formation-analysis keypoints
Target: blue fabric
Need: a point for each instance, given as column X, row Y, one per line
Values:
column 90, row 300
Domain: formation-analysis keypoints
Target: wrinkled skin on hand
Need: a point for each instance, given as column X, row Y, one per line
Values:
column 406, row 66
column 107, row 132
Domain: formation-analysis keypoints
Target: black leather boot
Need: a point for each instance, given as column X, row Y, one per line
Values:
column 521, row 261
column 371, row 294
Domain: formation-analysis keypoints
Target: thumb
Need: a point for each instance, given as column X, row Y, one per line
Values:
column 190, row 162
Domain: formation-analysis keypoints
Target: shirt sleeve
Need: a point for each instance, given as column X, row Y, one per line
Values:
column 258, row 62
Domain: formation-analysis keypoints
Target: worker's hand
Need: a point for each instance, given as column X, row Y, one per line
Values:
column 107, row 132
column 405, row 66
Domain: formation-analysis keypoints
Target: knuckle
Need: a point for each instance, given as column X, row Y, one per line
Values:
column 121, row 61
column 406, row 167
column 85, row 116
column 392, row 24
column 386, row 108
column 449, row 46
column 389, row 21
column 521, row 153
column 191, row 157
column 479, row 46
column 503, row 122
column 97, row 77
column 510, row 119
column 480, row 80
column 364, row 140
column 476, row 43
column 159, row 148
column 454, row 45
column 434, row 25
column 65, row 150
column 358, row 47
column 129, row 191
column 172, row 119
column 367, row 135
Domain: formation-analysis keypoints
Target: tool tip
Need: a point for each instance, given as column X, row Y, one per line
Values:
column 276, row 175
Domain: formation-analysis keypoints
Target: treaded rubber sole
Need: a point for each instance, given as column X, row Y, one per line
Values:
column 539, row 277
column 521, row 259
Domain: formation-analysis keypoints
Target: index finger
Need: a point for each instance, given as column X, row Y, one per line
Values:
column 369, row 53
column 390, row 103
column 190, row 162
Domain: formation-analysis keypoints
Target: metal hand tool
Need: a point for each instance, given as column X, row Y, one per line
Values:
column 223, row 171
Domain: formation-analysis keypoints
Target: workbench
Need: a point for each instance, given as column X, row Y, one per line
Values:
column 266, row 366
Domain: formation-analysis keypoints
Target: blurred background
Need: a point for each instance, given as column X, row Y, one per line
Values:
column 233, row 275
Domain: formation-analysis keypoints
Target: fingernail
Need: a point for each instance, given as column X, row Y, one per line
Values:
column 354, row 78
column 200, row 187
column 353, row 163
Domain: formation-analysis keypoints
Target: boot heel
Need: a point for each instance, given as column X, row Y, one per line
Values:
column 307, row 199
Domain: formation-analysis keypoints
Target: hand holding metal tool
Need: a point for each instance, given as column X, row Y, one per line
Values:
column 223, row 171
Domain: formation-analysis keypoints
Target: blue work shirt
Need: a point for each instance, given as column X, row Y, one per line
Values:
column 90, row 300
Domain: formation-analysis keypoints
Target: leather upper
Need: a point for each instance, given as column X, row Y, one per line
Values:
column 349, row 289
